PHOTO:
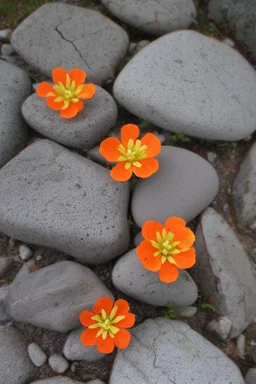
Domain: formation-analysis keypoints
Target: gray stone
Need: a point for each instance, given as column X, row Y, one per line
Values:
column 245, row 190
column 37, row 355
column 72, row 36
column 5, row 35
column 240, row 344
column 240, row 16
column 184, row 186
column 167, row 352
column 250, row 377
column 156, row 17
column 89, row 127
column 136, row 47
column 229, row 42
column 14, row 88
column 138, row 239
column 7, row 49
column 58, row 380
column 53, row 197
column 207, row 90
column 15, row 366
column 224, row 271
column 58, row 363
column 25, row 252
column 130, row 277
column 5, row 264
column 54, row 296
column 188, row 312
column 220, row 327
column 75, row 350
column 4, row 317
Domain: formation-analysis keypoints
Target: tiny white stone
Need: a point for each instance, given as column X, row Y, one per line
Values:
column 229, row 42
column 211, row 156
column 25, row 252
column 240, row 343
column 58, row 363
column 220, row 327
column 39, row 257
column 160, row 136
column 7, row 49
column 5, row 35
column 188, row 312
column 37, row 355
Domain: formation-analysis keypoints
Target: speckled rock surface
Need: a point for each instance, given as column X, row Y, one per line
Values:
column 129, row 276
column 184, row 186
column 207, row 90
column 86, row 129
column 167, row 352
column 56, row 198
column 224, row 271
column 250, row 377
column 58, row 380
column 15, row 86
column 53, row 297
column 154, row 16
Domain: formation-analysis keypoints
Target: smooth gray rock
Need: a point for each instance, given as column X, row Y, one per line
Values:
column 240, row 16
column 73, row 37
column 224, row 272
column 84, row 131
column 184, row 186
column 15, row 366
column 188, row 312
column 156, row 17
column 7, row 49
column 5, row 35
column 130, row 277
column 53, row 197
column 54, row 296
column 58, row 363
column 37, row 355
column 15, row 86
column 245, row 190
column 58, row 380
column 75, row 350
column 187, row 82
column 250, row 377
column 169, row 352
column 220, row 327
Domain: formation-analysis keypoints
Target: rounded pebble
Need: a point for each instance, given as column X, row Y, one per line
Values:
column 25, row 252
column 37, row 355
column 188, row 312
column 58, row 363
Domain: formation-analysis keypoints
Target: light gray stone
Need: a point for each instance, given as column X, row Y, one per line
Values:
column 25, row 252
column 130, row 277
column 75, row 350
column 220, row 327
column 4, row 317
column 58, row 363
column 188, row 312
column 15, row 366
column 72, row 36
column 85, row 130
column 240, row 16
column 7, row 49
column 14, row 88
column 184, row 186
column 136, row 47
column 96, row 381
column 58, row 380
column 53, row 197
column 5, row 35
column 187, row 82
column 245, row 190
column 240, row 344
column 250, row 377
column 229, row 42
column 5, row 263
column 54, row 296
column 138, row 239
column 156, row 17
column 167, row 352
column 224, row 271
column 36, row 354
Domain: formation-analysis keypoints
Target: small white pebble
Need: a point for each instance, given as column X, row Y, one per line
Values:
column 7, row 49
column 188, row 312
column 73, row 366
column 5, row 35
column 240, row 343
column 160, row 136
column 25, row 252
column 58, row 363
column 37, row 355
column 211, row 156
column 229, row 42
column 39, row 257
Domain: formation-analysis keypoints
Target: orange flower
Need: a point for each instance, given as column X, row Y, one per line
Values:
column 166, row 248
column 68, row 89
column 106, row 325
column 133, row 155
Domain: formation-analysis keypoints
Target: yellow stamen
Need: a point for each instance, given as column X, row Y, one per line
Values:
column 105, row 323
column 166, row 247
column 132, row 154
column 68, row 92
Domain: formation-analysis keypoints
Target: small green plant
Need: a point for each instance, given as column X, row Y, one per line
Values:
column 206, row 304
column 224, row 145
column 123, row 63
column 179, row 137
column 169, row 313
column 207, row 28
column 130, row 222
column 144, row 125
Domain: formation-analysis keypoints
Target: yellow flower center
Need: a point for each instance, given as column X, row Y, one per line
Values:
column 106, row 323
column 67, row 93
column 166, row 247
column 132, row 154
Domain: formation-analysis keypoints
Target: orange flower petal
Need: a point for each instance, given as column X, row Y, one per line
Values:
column 103, row 303
column 71, row 111
column 176, row 225
column 78, row 76
column 153, row 264
column 109, row 149
column 153, row 144
column 80, row 105
column 56, row 106
column 149, row 166
column 186, row 238
column 107, row 345
column 128, row 322
column 119, row 173
column 59, row 75
column 88, row 91
column 185, row 259
column 168, row 272
column 85, row 318
column 150, row 228
column 173, row 222
column 88, row 337
column 123, row 307
column 122, row 339
column 44, row 88
column 145, row 250
column 129, row 131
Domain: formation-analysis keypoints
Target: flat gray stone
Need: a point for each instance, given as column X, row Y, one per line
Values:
column 184, row 186
column 15, row 366
column 58, row 380
column 169, row 352
column 75, row 350
column 15, row 86
column 72, row 36
column 129, row 276
column 7, row 49
column 224, row 271
column 84, row 131
column 53, row 197
column 207, row 89
column 156, row 17
column 250, row 377
column 245, row 190
column 54, row 296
